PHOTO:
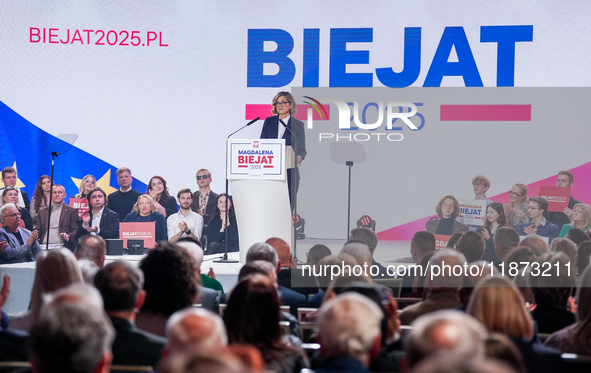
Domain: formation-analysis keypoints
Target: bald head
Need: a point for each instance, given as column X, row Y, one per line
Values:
column 195, row 327
column 283, row 251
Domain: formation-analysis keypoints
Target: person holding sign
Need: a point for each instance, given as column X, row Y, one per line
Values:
column 580, row 218
column 10, row 195
column 86, row 185
column 495, row 218
column 516, row 211
column 448, row 209
column 216, row 229
column 539, row 225
column 145, row 211
column 283, row 106
column 565, row 180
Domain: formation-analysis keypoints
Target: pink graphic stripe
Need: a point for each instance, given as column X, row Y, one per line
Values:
column 263, row 111
column 485, row 113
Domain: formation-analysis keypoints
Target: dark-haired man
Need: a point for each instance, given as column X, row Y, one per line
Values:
column 100, row 220
column 9, row 179
column 565, row 179
column 539, row 225
column 184, row 223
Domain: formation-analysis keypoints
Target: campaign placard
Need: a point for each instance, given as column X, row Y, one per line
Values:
column 81, row 204
column 473, row 211
column 256, row 159
column 557, row 197
column 441, row 241
column 138, row 231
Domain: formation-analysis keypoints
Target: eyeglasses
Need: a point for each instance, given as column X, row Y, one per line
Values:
column 144, row 204
column 204, row 177
column 513, row 194
column 282, row 103
column 14, row 216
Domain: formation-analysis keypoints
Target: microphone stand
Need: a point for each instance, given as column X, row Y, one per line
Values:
column 54, row 155
column 294, row 191
column 225, row 259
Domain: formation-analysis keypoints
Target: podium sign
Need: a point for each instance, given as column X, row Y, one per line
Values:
column 138, row 231
column 261, row 159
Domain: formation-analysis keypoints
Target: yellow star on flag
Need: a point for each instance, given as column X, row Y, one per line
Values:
column 103, row 182
column 19, row 183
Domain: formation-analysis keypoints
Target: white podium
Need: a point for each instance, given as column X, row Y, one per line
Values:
column 257, row 175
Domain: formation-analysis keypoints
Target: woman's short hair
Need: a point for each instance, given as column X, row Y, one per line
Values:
column 289, row 98
column 81, row 187
column 5, row 192
column 136, row 207
column 456, row 206
column 498, row 305
column 586, row 209
column 564, row 245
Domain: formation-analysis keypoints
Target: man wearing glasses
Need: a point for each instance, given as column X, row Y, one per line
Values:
column 16, row 244
column 204, row 199
column 539, row 225
column 122, row 201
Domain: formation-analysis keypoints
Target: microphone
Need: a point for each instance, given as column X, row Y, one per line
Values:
column 241, row 128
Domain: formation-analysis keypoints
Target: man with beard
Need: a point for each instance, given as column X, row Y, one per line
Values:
column 185, row 223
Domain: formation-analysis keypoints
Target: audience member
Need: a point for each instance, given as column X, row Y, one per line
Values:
column 472, row 278
column 445, row 333
column 500, row 347
column 204, row 199
column 252, row 316
column 457, row 364
column 453, row 240
column 517, row 256
column 64, row 221
column 185, row 223
column 495, row 219
column 370, row 238
column 216, row 228
column 583, row 256
column 505, row 240
column 100, row 220
column 577, row 236
column 565, row 179
column 481, row 184
column 120, row 285
column 576, row 338
column 92, row 248
column 516, row 211
column 10, row 195
column 196, row 361
column 564, row 245
column 9, row 179
column 419, row 273
column 498, row 305
column 195, row 328
column 89, row 269
column 145, row 211
column 448, row 210
column 539, row 225
column 421, row 244
column 580, row 218
column 87, row 183
column 323, row 274
column 16, row 244
column 163, row 202
column 441, row 289
column 41, row 197
column 472, row 245
column 13, row 343
column 536, row 243
column 73, row 334
column 552, row 291
column 170, row 284
column 123, row 200
column 316, row 253
column 208, row 298
column 55, row 269
column 207, row 280
column 290, row 276
column 349, row 333
column 360, row 252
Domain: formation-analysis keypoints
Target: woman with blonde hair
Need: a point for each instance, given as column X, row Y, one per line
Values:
column 580, row 218
column 86, row 185
column 55, row 269
column 516, row 211
column 144, row 211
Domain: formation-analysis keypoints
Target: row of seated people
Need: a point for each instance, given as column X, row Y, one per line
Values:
column 518, row 308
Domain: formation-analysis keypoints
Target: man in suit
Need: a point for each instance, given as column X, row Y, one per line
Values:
column 565, row 179
column 16, row 244
column 100, row 220
column 64, row 221
column 204, row 199
column 9, row 179
column 121, row 286
column 284, row 126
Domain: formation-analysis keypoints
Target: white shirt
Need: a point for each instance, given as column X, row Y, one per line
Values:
column 95, row 222
column 194, row 223
column 280, row 128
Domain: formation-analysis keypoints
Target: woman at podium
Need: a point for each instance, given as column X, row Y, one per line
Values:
column 145, row 211
column 292, row 130
column 216, row 228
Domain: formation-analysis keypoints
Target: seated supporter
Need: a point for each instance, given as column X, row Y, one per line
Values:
column 577, row 236
column 164, row 203
column 120, row 285
column 471, row 279
column 208, row 298
column 448, row 210
column 100, row 220
column 583, row 256
column 207, row 280
column 564, row 245
column 92, row 248
column 216, row 228
column 252, row 317
column 194, row 360
column 87, row 183
column 495, row 219
column 170, row 284
column 185, row 223
column 195, row 328
column 498, row 305
column 13, row 343
column 516, row 211
column 16, row 244
column 552, row 292
column 580, row 218
column 505, row 241
column 64, row 221
column 41, row 197
column 539, row 225
column 145, row 211
column 472, row 245
column 500, row 347
column 10, row 195
column 576, row 338
column 324, row 275
column 290, row 276
column 421, row 244
column 370, row 238
column 536, row 243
